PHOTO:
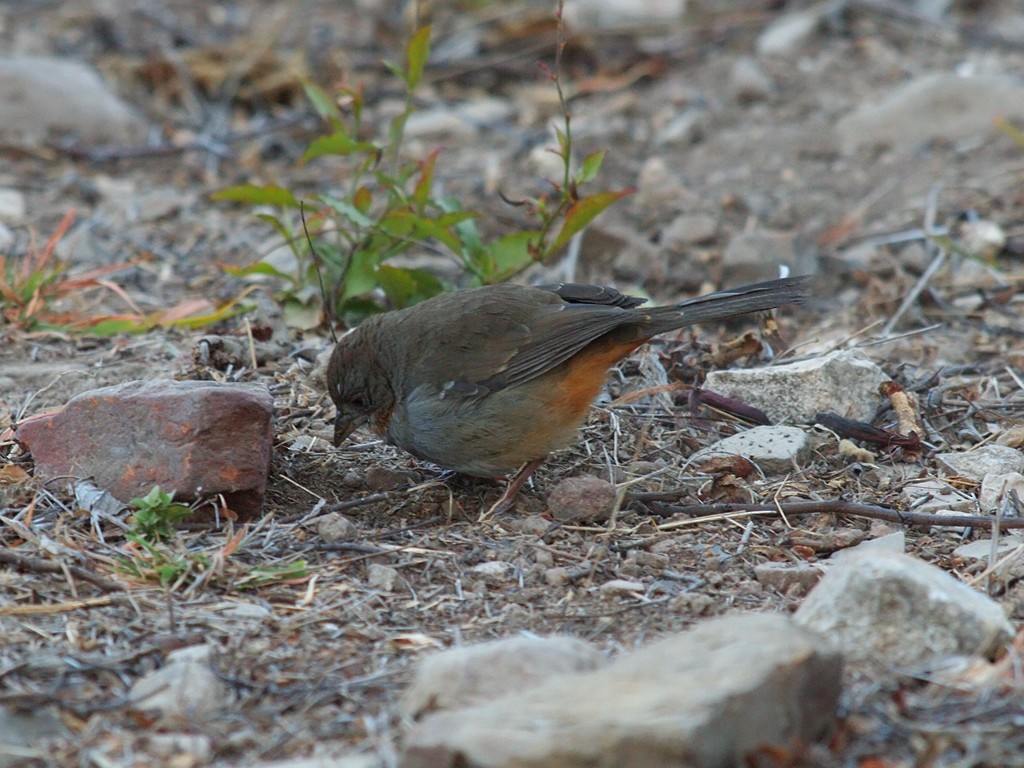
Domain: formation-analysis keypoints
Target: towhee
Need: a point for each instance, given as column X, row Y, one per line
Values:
column 487, row 380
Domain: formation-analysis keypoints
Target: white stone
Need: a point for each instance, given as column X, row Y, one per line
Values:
column 706, row 697
column 185, row 689
column 772, row 449
column 586, row 15
column 899, row 611
column 842, row 382
column 978, row 462
column 996, row 487
column 893, row 542
column 474, row 674
column 12, row 206
column 788, row 32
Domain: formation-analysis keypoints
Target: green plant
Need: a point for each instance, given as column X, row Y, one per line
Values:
column 156, row 515
column 389, row 206
column 156, row 553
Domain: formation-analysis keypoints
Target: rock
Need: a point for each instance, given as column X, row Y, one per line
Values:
column 938, row 105
column 940, row 497
column 184, row 690
column 475, row 674
column 687, row 127
column 689, row 229
column 194, row 438
column 195, row 748
column 617, row 587
column 753, row 256
column 581, row 499
column 23, row 734
column 458, row 121
column 326, row 761
column 981, row 549
column 6, row 237
column 900, row 611
column 996, row 487
column 334, row 526
column 586, row 16
column 748, row 82
column 786, row 576
column 790, row 31
column 895, row 542
column 381, row 577
column 842, row 382
column 707, row 697
column 383, row 479
column 48, row 97
column 12, row 206
column 978, row 462
column 493, row 572
column 772, row 448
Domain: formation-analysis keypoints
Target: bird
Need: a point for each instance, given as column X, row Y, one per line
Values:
column 490, row 380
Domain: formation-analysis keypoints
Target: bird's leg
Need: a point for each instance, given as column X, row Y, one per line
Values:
column 515, row 482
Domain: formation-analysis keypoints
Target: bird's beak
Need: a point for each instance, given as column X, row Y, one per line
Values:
column 347, row 423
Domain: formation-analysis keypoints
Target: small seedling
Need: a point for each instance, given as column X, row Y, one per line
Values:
column 156, row 515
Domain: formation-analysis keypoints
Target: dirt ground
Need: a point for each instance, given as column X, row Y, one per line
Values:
column 315, row 664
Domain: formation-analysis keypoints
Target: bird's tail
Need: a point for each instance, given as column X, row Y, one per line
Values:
column 756, row 297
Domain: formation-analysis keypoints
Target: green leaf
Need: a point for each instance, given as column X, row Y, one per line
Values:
column 323, row 104
column 417, row 53
column 590, row 167
column 259, row 268
column 254, row 194
column 406, row 287
column 338, row 143
column 304, row 316
column 509, row 255
column 582, row 212
column 348, row 210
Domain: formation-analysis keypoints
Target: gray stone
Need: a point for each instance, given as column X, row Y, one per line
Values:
column 46, row 96
column 185, row 690
column 334, row 526
column 475, row 674
column 936, row 497
column 897, row 610
column 786, row 576
column 23, row 734
column 982, row 549
column 978, row 462
column 707, row 697
column 752, row 256
column 748, row 81
column 939, row 105
column 772, row 449
column 689, row 229
column 381, row 577
column 842, row 382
